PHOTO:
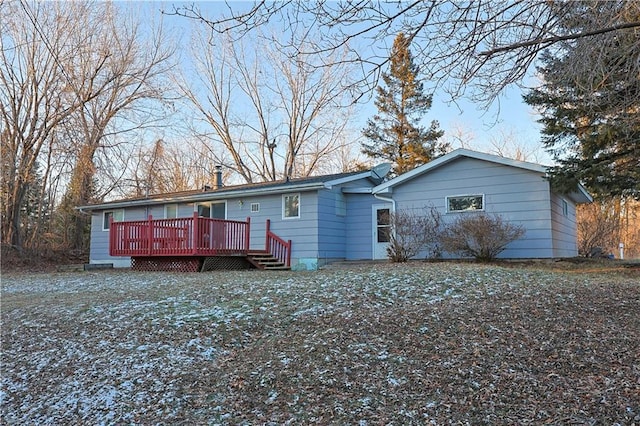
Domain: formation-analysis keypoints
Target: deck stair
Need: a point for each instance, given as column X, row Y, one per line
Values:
column 262, row 259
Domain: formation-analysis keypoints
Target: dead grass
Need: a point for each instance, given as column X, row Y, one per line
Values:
column 439, row 343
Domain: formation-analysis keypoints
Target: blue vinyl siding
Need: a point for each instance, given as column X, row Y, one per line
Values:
column 303, row 231
column 519, row 196
column 564, row 228
column 359, row 227
column 331, row 227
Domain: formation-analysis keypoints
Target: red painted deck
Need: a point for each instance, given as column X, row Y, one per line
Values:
column 191, row 239
column 189, row 236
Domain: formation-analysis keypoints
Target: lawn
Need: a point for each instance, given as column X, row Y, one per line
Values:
column 423, row 343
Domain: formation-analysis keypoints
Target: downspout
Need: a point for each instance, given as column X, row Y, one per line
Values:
column 388, row 200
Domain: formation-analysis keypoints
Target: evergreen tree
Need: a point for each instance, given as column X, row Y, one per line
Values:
column 590, row 106
column 395, row 132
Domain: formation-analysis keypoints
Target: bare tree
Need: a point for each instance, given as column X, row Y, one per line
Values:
column 507, row 144
column 488, row 43
column 128, row 76
column 72, row 75
column 169, row 167
column 35, row 95
column 271, row 127
column 605, row 223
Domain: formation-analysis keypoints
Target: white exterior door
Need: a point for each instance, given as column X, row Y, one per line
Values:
column 381, row 230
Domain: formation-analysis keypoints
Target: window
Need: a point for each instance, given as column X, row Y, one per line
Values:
column 117, row 215
column 565, row 208
column 465, row 203
column 170, row 211
column 255, row 207
column 383, row 225
column 213, row 210
column 291, row 206
column 204, row 210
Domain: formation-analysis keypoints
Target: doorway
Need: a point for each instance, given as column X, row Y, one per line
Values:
column 381, row 230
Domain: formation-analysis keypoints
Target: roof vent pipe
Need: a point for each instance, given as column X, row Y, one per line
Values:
column 217, row 178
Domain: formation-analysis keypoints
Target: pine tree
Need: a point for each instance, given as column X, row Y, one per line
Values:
column 590, row 107
column 395, row 133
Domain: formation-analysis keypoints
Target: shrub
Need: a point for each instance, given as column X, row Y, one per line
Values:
column 412, row 231
column 481, row 236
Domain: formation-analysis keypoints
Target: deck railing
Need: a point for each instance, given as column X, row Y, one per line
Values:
column 278, row 247
column 190, row 236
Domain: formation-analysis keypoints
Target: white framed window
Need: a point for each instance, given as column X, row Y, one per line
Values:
column 291, row 206
column 117, row 215
column 255, row 207
column 565, row 208
column 170, row 211
column 465, row 203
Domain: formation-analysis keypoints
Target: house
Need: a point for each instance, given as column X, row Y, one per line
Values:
column 336, row 217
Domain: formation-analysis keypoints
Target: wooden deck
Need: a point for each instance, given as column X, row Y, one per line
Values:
column 190, row 240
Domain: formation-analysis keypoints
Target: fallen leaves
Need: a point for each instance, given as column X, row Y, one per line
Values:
column 377, row 344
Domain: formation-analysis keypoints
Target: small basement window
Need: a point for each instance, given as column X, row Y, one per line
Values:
column 117, row 215
column 291, row 206
column 255, row 207
column 465, row 203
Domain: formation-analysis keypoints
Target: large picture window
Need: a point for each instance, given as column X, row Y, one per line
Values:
column 117, row 215
column 465, row 203
column 291, row 206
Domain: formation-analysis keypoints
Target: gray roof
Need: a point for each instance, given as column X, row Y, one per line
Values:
column 225, row 192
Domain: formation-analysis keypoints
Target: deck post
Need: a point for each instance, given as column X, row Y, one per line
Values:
column 150, row 234
column 289, row 254
column 247, row 234
column 194, row 230
column 112, row 239
column 266, row 242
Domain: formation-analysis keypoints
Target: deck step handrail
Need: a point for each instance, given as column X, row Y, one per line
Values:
column 277, row 247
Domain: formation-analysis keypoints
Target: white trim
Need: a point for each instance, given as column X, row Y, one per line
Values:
column 257, row 207
column 447, row 197
column 299, row 205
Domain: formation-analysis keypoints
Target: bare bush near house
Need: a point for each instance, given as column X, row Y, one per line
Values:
column 481, row 236
column 605, row 223
column 598, row 228
column 413, row 231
